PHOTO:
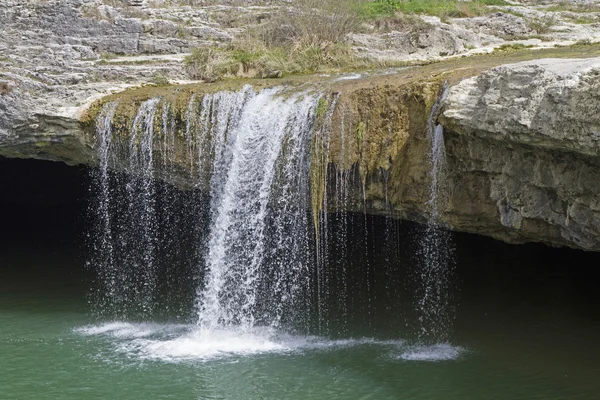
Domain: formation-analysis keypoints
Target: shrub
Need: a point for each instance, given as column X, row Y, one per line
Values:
column 4, row 88
column 159, row 79
column 541, row 25
column 208, row 63
column 313, row 22
column 307, row 38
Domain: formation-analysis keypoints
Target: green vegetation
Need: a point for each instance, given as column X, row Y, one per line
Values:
column 439, row 8
column 575, row 7
column 159, row 79
column 360, row 133
column 322, row 107
column 582, row 19
column 513, row 47
column 584, row 43
column 310, row 36
column 252, row 60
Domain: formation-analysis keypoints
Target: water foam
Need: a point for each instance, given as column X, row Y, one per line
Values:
column 180, row 343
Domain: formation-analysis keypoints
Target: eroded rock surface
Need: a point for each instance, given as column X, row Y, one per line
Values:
column 524, row 148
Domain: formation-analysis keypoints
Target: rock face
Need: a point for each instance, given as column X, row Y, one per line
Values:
column 522, row 144
column 524, row 150
column 57, row 56
column 522, row 140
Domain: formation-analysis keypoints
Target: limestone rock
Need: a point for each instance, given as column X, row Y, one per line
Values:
column 551, row 103
column 524, row 148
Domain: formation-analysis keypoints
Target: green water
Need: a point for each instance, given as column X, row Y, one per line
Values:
column 527, row 327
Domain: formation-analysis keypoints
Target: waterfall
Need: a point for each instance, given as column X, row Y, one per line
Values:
column 103, row 246
column 248, row 156
column 137, row 218
column 140, row 245
column 258, row 162
column 434, row 306
column 262, row 164
column 233, row 214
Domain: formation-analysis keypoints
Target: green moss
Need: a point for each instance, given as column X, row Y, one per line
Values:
column 322, row 106
column 360, row 133
column 513, row 47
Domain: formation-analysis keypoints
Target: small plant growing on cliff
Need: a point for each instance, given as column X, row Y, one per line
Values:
column 541, row 25
column 322, row 107
column 208, row 63
column 159, row 79
column 360, row 133
column 4, row 89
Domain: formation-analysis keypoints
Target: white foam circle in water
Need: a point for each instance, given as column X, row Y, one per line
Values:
column 172, row 343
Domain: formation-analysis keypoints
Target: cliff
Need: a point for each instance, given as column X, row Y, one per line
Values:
column 522, row 137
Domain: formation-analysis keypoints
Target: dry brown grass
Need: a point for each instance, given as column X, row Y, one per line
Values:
column 313, row 22
column 306, row 38
column 5, row 88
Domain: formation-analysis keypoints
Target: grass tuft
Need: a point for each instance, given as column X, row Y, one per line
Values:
column 438, row 8
column 542, row 25
column 513, row 47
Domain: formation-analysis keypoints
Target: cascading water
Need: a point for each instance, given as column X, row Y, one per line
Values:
column 141, row 247
column 138, row 218
column 108, row 275
column 253, row 165
column 127, row 245
column 264, row 169
column 434, row 306
column 252, row 152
